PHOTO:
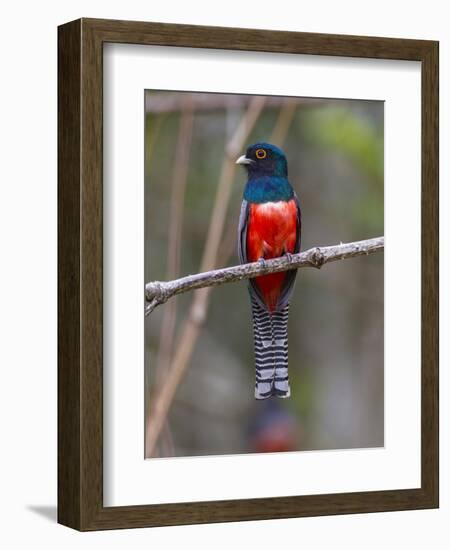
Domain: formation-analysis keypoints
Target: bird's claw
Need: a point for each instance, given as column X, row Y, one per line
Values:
column 262, row 261
column 288, row 256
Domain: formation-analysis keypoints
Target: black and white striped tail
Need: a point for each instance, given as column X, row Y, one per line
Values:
column 271, row 351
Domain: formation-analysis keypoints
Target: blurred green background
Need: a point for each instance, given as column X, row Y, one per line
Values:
column 335, row 155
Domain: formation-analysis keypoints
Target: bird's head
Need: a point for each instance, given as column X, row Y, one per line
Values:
column 264, row 159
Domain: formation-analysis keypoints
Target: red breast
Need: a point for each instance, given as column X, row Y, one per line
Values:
column 271, row 232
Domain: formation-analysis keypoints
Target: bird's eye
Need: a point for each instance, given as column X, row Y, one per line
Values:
column 261, row 154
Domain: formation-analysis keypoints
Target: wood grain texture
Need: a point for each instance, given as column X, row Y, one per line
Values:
column 430, row 273
column 91, row 267
column 69, row 243
column 80, row 263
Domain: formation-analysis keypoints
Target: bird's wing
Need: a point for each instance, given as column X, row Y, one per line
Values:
column 242, row 250
column 242, row 232
column 289, row 281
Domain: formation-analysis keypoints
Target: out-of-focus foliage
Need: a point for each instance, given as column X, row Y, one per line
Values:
column 335, row 155
column 343, row 131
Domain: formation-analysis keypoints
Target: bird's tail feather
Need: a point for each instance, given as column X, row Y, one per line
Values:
column 271, row 351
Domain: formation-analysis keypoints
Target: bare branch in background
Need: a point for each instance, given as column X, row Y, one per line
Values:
column 167, row 333
column 159, row 292
column 166, row 103
column 199, row 306
column 287, row 112
column 152, row 139
column 175, row 229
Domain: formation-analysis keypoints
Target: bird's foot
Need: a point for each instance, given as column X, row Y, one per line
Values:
column 262, row 261
column 288, row 255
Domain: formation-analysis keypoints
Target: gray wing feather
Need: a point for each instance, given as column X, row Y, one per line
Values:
column 242, row 251
column 242, row 233
column 289, row 282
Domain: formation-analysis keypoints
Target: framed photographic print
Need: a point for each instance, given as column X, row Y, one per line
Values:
column 248, row 274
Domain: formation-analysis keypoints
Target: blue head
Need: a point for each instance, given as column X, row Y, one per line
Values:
column 264, row 159
column 267, row 171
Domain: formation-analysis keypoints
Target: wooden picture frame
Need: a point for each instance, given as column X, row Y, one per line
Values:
column 80, row 272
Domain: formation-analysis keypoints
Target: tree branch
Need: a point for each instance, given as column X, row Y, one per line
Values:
column 157, row 292
column 167, row 103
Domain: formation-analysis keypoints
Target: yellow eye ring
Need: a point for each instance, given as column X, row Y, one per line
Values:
column 261, row 154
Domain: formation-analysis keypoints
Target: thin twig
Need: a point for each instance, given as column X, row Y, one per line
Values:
column 159, row 292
